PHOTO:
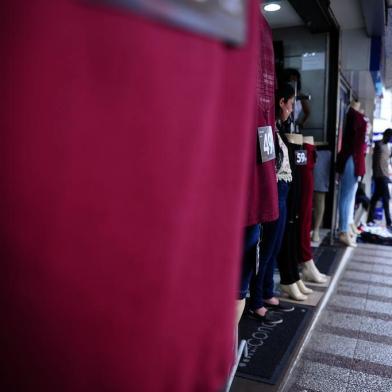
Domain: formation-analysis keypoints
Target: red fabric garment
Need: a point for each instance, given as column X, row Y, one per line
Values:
column 353, row 143
column 305, row 214
column 123, row 165
column 263, row 191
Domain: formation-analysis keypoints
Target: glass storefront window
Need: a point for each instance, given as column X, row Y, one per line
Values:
column 307, row 53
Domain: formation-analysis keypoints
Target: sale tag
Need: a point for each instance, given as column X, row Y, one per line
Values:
column 301, row 157
column 266, row 141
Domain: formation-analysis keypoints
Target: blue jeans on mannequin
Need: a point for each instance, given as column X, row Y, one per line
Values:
column 348, row 187
column 262, row 286
column 251, row 239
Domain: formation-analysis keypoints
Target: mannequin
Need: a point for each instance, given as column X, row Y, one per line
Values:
column 262, row 193
column 295, row 138
column 351, row 165
column 318, row 214
column 309, row 269
column 262, row 286
column 288, row 256
column 321, row 175
column 239, row 309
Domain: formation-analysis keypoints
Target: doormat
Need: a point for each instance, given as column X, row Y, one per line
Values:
column 270, row 347
column 326, row 260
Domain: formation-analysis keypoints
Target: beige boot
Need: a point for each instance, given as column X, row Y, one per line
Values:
column 239, row 309
column 345, row 239
column 311, row 273
column 293, row 291
column 302, row 288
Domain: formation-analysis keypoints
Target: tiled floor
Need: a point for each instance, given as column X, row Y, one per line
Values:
column 350, row 349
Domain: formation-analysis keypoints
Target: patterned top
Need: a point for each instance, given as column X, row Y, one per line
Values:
column 284, row 172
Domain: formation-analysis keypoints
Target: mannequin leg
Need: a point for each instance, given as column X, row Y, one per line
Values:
column 311, row 273
column 352, row 205
column 251, row 238
column 239, row 309
column 347, row 189
column 352, row 228
column 266, row 247
column 276, row 237
column 302, row 288
column 318, row 213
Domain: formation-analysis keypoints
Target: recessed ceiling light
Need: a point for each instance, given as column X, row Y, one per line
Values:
column 271, row 7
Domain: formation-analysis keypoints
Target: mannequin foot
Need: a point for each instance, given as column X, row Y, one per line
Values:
column 353, row 237
column 311, row 273
column 354, row 229
column 271, row 301
column 240, row 305
column 316, row 236
column 302, row 288
column 293, row 291
column 262, row 314
column 345, row 239
column 274, row 304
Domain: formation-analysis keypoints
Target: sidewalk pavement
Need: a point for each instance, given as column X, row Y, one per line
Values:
column 350, row 348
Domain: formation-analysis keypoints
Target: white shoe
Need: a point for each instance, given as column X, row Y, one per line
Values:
column 293, row 291
column 311, row 273
column 302, row 288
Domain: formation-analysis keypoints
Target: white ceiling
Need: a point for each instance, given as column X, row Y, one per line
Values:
column 285, row 17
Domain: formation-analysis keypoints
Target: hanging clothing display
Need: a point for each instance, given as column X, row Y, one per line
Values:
column 262, row 190
column 305, row 213
column 353, row 143
column 288, row 257
column 125, row 149
column 350, row 164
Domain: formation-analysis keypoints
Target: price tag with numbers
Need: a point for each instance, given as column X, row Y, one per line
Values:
column 267, row 146
column 301, row 157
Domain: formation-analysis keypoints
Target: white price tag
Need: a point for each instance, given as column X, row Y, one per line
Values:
column 267, row 145
column 301, row 157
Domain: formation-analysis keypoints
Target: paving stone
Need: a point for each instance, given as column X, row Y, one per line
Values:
column 380, row 307
column 323, row 378
column 381, row 291
column 348, row 302
column 341, row 320
column 360, row 381
column 379, row 327
column 333, row 344
column 354, row 287
column 374, row 352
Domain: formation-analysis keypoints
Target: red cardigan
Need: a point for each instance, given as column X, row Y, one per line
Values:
column 262, row 190
column 353, row 141
column 123, row 162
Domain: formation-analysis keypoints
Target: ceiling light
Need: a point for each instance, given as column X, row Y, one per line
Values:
column 271, row 7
